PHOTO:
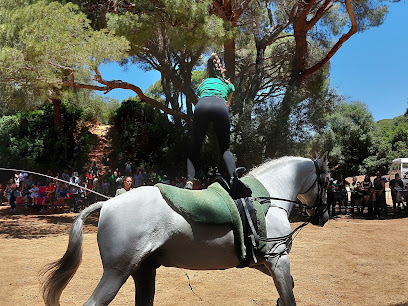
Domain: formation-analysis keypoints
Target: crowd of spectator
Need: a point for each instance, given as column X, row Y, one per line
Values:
column 79, row 189
column 366, row 196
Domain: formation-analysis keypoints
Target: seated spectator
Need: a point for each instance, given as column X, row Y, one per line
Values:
column 42, row 196
column 358, row 196
column 378, row 194
column 61, row 190
column 30, row 181
column 396, row 181
column 341, row 188
column 366, row 187
column 398, row 196
column 50, row 193
column 353, row 192
column 2, row 192
column 13, row 188
column 25, row 193
column 34, row 194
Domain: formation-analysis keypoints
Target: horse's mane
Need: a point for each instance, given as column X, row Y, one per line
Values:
column 272, row 163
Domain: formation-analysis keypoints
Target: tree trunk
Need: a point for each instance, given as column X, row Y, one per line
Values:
column 57, row 111
column 229, row 59
column 280, row 145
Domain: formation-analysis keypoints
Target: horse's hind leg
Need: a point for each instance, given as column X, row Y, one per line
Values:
column 144, row 278
column 280, row 271
column 108, row 287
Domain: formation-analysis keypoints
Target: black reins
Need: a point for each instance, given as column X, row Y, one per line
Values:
column 287, row 239
column 319, row 199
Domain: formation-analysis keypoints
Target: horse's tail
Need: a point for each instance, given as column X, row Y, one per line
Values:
column 57, row 275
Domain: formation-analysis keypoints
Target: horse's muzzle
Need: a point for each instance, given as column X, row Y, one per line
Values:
column 320, row 219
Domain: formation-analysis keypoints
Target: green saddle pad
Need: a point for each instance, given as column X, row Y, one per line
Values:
column 215, row 206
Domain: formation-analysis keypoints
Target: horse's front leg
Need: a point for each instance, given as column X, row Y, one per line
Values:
column 279, row 268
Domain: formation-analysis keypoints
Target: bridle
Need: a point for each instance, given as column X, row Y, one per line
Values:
column 320, row 207
column 318, row 211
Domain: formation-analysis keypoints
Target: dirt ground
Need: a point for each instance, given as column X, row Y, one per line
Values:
column 348, row 262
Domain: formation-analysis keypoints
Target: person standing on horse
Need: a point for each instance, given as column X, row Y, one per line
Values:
column 215, row 95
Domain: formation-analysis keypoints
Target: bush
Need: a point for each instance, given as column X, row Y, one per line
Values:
column 146, row 136
column 30, row 141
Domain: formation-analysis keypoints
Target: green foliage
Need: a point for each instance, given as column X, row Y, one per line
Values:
column 179, row 25
column 143, row 134
column 45, row 42
column 95, row 108
column 357, row 144
column 390, row 142
column 30, row 140
column 348, row 138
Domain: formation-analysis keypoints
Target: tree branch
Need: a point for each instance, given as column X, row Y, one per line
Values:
column 320, row 12
column 338, row 44
column 109, row 85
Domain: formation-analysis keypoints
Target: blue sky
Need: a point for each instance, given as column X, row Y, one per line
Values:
column 371, row 67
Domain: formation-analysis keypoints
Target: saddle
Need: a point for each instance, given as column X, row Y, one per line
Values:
column 214, row 205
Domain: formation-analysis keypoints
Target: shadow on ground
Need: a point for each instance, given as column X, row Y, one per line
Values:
column 298, row 215
column 31, row 224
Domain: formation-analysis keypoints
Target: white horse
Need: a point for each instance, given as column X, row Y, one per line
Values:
column 138, row 232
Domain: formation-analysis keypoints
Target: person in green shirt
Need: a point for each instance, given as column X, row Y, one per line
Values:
column 215, row 94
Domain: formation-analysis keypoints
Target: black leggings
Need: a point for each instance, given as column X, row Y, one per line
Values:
column 211, row 109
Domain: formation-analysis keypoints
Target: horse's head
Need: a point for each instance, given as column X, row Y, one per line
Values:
column 314, row 195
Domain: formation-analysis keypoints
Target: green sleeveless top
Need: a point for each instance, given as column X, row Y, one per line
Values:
column 215, row 87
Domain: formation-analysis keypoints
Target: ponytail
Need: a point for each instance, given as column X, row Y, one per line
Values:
column 215, row 67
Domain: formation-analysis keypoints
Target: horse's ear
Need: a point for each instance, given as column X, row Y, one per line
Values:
column 325, row 157
column 324, row 160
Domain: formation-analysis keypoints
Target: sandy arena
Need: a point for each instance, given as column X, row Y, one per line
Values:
column 348, row 262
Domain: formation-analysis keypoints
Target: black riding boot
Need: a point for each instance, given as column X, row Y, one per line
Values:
column 239, row 189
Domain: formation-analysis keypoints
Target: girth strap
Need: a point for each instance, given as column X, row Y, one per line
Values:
column 250, row 227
